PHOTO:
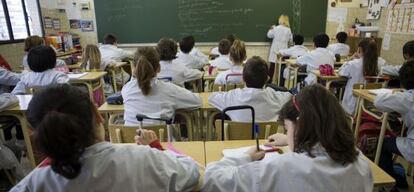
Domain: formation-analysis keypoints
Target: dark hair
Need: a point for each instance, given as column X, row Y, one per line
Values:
column 187, row 44
column 320, row 121
column 406, row 75
column 109, row 39
column 298, row 39
column 167, row 49
column 41, row 58
column 255, row 72
column 231, row 38
column 64, row 122
column 408, row 49
column 370, row 57
column 321, row 40
column 224, row 47
column 146, row 63
column 341, row 37
column 238, row 52
column 32, row 41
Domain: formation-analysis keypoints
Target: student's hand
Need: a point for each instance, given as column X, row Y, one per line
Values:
column 271, row 27
column 145, row 137
column 277, row 140
column 255, row 155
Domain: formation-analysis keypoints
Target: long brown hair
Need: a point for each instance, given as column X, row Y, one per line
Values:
column 32, row 41
column 92, row 54
column 146, row 66
column 369, row 57
column 238, row 52
column 320, row 121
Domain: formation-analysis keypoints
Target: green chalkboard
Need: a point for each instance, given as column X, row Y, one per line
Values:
column 146, row 21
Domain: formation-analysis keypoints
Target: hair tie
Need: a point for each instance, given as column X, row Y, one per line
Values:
column 295, row 103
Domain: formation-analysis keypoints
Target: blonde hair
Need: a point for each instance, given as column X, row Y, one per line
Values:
column 284, row 20
column 32, row 41
column 146, row 65
column 92, row 54
column 238, row 52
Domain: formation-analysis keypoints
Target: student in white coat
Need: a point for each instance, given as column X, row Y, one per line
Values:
column 167, row 49
column 317, row 57
column 7, row 79
column 110, row 51
column 281, row 36
column 237, row 57
column 231, row 38
column 340, row 47
column 68, row 130
column 42, row 60
column 365, row 65
column 323, row 156
column 189, row 56
column 293, row 52
column 147, row 95
column 408, row 54
column 265, row 101
column 403, row 103
column 222, row 62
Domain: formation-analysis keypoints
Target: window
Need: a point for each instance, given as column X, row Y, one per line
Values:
column 19, row 19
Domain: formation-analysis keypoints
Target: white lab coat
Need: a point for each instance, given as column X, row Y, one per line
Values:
column 392, row 70
column 403, row 103
column 288, row 172
column 191, row 61
column 313, row 60
column 266, row 103
column 339, row 48
column 294, row 51
column 281, row 36
column 215, row 51
column 7, row 79
column 7, row 100
column 111, row 53
column 235, row 69
column 119, row 167
column 179, row 73
column 353, row 70
column 196, row 52
column 162, row 101
column 39, row 79
column 222, row 62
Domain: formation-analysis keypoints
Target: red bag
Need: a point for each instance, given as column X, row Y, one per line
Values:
column 368, row 135
column 326, row 70
column 4, row 64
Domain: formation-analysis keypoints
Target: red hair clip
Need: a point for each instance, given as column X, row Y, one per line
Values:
column 295, row 103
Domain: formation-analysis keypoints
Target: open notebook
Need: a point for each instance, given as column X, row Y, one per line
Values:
column 379, row 91
column 238, row 152
column 76, row 75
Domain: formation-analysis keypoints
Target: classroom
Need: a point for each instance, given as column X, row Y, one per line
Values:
column 207, row 95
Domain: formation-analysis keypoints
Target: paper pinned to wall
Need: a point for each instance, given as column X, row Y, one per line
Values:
column 72, row 10
column 386, row 41
column 337, row 14
column 374, row 9
column 364, row 3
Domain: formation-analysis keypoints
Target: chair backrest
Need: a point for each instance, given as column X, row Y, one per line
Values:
column 119, row 133
column 165, row 79
column 243, row 130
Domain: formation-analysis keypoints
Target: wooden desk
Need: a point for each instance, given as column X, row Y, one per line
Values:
column 62, row 54
column 113, row 70
column 214, row 153
column 328, row 79
column 92, row 81
column 19, row 111
column 363, row 95
column 75, row 66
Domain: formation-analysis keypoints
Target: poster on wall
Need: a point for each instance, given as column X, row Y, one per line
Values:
column 75, row 23
column 374, row 9
column 87, row 25
column 48, row 22
column 56, row 24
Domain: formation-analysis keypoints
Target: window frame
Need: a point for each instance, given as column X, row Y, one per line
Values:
column 8, row 22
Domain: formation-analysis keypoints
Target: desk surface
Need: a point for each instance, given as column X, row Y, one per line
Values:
column 325, row 77
column 62, row 54
column 106, row 108
column 363, row 93
column 214, row 153
column 90, row 76
column 293, row 61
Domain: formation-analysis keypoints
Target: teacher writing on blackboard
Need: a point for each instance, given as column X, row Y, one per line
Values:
column 281, row 36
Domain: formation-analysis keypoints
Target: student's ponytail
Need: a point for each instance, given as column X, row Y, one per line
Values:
column 370, row 57
column 238, row 52
column 65, row 124
column 147, row 65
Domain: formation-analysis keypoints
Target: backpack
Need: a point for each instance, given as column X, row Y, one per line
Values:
column 326, row 70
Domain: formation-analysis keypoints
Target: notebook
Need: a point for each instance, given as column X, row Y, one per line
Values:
column 379, row 91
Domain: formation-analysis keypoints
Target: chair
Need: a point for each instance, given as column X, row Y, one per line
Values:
column 119, row 133
column 243, row 130
column 229, row 86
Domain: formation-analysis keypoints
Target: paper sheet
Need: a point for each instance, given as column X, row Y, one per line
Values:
column 76, row 75
column 238, row 152
column 379, row 91
column 337, row 14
